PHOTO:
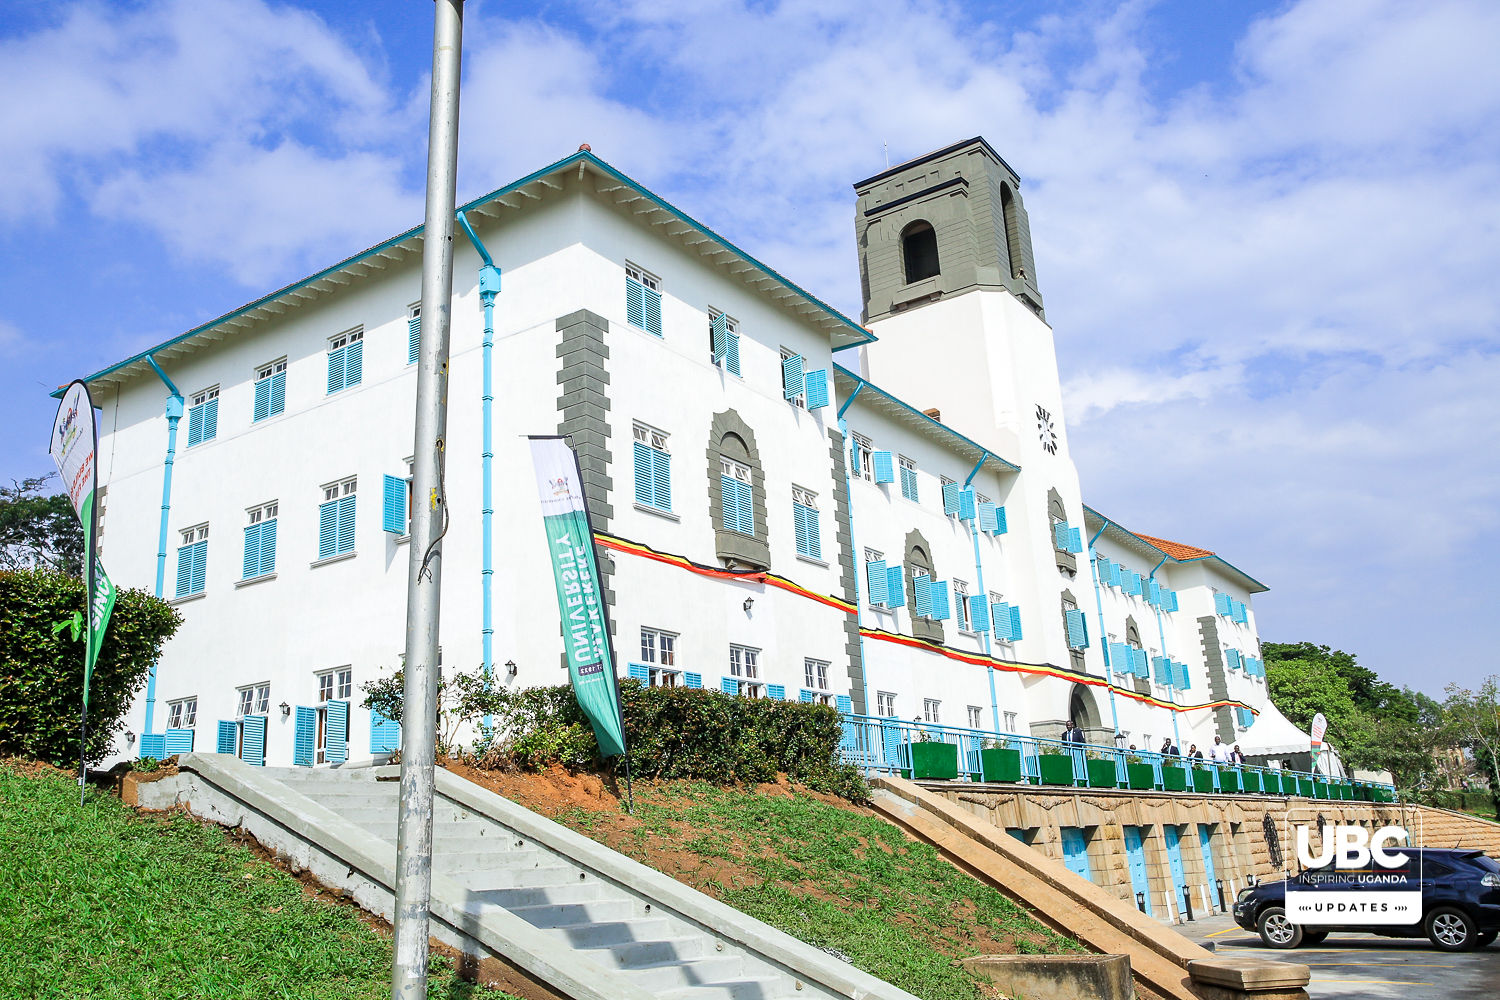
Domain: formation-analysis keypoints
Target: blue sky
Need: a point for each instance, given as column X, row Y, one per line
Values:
column 1267, row 234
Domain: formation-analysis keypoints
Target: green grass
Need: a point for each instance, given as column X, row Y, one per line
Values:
column 99, row 901
column 834, row 878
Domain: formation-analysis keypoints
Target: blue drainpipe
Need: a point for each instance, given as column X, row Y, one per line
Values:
column 984, row 595
column 489, row 287
column 1162, row 635
column 174, row 414
column 864, row 668
column 1109, row 674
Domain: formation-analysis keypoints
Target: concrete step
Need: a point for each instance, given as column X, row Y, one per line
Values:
column 577, row 892
column 755, row 988
column 543, row 876
column 677, row 974
column 606, row 935
column 550, row 915
column 454, row 862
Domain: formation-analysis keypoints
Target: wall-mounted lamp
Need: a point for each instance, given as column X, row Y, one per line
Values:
column 748, row 602
column 129, row 738
column 510, row 667
column 286, row 710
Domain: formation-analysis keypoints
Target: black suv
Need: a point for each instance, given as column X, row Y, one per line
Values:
column 1460, row 902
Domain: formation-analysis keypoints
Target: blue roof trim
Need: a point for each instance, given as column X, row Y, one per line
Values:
column 1111, row 523
column 936, row 424
column 865, row 336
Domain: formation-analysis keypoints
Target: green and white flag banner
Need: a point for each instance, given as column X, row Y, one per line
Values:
column 580, row 596
column 73, row 447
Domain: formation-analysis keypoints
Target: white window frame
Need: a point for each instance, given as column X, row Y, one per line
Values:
column 197, row 533
column 907, row 465
column 199, row 398
column 346, row 338
column 253, row 699
column 340, row 488
column 182, row 713
column 961, row 605
column 976, row 717
column 656, row 439
column 799, row 400
column 270, row 370
column 659, row 677
column 885, row 704
column 662, row 648
column 642, row 275
column 864, row 449
column 1011, row 720
column 932, row 711
column 744, row 663
column 731, row 329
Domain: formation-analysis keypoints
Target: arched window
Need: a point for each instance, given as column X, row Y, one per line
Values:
column 919, row 563
column 1012, row 232
column 919, row 250
column 737, row 486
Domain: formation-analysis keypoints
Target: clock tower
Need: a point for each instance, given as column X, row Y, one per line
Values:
column 950, row 289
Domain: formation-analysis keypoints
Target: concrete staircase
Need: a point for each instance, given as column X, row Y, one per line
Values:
column 559, row 910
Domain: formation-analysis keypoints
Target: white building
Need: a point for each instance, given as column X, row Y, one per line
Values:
column 909, row 542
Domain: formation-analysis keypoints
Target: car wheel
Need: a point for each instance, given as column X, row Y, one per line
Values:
column 1486, row 939
column 1313, row 937
column 1276, row 930
column 1451, row 930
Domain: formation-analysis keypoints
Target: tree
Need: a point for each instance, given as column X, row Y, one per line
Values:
column 39, row 531
column 1475, row 720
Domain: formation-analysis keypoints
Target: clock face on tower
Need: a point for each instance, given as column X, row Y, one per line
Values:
column 1045, row 431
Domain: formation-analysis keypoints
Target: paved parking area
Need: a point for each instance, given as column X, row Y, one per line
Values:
column 1363, row 965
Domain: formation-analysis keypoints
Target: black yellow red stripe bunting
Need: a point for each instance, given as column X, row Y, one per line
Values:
column 617, row 544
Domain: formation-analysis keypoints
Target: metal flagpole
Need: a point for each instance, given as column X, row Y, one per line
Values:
column 429, row 520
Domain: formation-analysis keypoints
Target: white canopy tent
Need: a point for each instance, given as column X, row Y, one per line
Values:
column 1273, row 735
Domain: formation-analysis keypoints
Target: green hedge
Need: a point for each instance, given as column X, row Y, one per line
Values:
column 1465, row 801
column 41, row 674
column 680, row 733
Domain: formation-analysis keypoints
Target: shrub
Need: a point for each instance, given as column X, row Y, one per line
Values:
column 41, row 674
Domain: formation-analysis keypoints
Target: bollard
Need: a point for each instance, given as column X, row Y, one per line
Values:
column 1187, row 903
column 1222, row 905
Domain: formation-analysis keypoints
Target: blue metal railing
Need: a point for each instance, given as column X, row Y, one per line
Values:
column 887, row 745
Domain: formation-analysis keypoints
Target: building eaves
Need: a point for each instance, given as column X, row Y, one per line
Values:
column 842, row 331
column 1147, row 544
column 846, row 382
column 938, row 154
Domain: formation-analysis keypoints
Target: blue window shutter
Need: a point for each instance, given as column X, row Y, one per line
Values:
column 909, row 483
column 336, row 733
column 791, row 376
column 732, row 353
column 645, row 492
column 304, row 742
column 922, row 585
column 729, row 685
column 653, row 311
column 1000, row 614
column 776, row 691
column 844, row 703
column 262, row 399
column 278, row 393
column 346, row 523
column 799, row 526
column 211, row 419
column 719, row 328
column 979, row 613
column 816, row 384
column 853, row 457
column 335, row 370
column 635, row 303
column 1060, row 535
column 253, row 752
column 1015, row 623
column 178, row 741
column 640, row 672
column 950, row 498
column 941, row 609
column 1163, row 669
column 1221, row 604
column 195, row 425
column 1141, row 669
column 200, row 567
column 1183, row 681
column 1169, row 600
column 814, row 535
column 661, row 478
column 895, row 588
column 229, row 733
column 354, row 363
column 694, row 681
column 1154, row 593
column 1241, row 613
column 268, row 546
column 252, row 551
column 807, row 697
column 328, row 529
column 385, row 734
column 1075, row 536
column 885, row 468
column 413, row 339
column 988, row 519
column 393, row 495
column 1000, row 524
column 153, row 745
column 1078, row 632
column 1114, row 575
column 877, row 577
column 966, row 510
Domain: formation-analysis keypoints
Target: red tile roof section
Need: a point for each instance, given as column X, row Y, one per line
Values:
column 1176, row 549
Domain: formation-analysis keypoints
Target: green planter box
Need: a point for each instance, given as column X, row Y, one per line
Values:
column 1320, row 789
column 1229, row 781
column 1140, row 776
column 1270, row 782
column 1203, row 779
column 1173, row 778
column 1057, row 768
column 1305, row 788
column 1102, row 774
column 1250, row 782
column 999, row 764
column 934, row 760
